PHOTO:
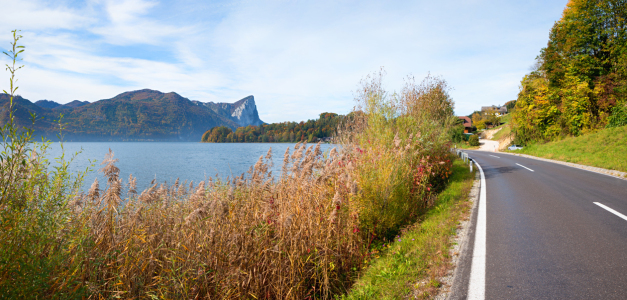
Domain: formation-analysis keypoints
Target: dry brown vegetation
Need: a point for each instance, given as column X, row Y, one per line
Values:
column 247, row 237
column 300, row 234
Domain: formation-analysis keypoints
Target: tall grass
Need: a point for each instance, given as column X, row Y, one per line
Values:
column 300, row 234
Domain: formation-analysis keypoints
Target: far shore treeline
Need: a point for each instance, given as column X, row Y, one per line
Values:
column 286, row 132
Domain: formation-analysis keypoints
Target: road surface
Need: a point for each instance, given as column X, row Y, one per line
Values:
column 550, row 232
column 488, row 145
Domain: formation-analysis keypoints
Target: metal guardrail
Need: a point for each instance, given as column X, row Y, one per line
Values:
column 464, row 156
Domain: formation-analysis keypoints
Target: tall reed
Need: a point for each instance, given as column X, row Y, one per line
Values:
column 301, row 234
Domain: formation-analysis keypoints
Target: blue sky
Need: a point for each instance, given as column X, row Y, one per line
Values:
column 298, row 58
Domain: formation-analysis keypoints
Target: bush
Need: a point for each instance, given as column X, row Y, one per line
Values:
column 457, row 133
column 399, row 145
column 618, row 117
column 473, row 140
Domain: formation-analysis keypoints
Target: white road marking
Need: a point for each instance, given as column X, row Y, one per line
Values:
column 526, row 168
column 493, row 156
column 476, row 284
column 612, row 211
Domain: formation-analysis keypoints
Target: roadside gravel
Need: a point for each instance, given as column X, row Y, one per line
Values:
column 452, row 281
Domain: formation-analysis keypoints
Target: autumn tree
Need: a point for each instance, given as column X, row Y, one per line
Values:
column 580, row 76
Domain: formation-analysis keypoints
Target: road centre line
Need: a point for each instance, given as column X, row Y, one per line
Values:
column 476, row 284
column 611, row 210
column 493, row 156
column 526, row 168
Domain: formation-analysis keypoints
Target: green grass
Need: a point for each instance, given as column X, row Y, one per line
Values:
column 605, row 148
column 505, row 131
column 506, row 128
column 464, row 145
column 506, row 118
column 412, row 264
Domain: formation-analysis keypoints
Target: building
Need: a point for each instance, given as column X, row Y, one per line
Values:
column 467, row 124
column 500, row 110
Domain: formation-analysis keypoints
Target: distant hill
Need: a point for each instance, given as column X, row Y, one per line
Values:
column 131, row 116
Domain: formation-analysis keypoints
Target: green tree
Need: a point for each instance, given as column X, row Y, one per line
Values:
column 580, row 75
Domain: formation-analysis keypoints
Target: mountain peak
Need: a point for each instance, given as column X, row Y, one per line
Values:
column 75, row 103
column 47, row 104
column 54, row 105
column 243, row 112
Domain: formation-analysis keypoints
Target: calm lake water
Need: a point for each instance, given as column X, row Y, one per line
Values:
column 169, row 161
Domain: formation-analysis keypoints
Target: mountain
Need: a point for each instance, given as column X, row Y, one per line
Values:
column 47, row 104
column 131, row 116
column 54, row 105
column 243, row 112
column 73, row 104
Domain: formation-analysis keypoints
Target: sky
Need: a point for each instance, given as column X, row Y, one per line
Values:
column 298, row 58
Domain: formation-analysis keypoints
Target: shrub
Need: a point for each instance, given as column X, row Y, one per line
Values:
column 457, row 133
column 398, row 145
column 473, row 140
column 618, row 117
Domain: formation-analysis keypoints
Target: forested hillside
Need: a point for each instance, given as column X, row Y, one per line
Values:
column 137, row 115
column 287, row 132
column 579, row 82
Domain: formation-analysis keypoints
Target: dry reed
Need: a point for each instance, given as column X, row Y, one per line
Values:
column 302, row 234
column 253, row 237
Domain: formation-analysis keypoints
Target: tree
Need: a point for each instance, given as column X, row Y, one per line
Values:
column 580, row 76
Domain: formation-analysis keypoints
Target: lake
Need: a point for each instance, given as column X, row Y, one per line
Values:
column 167, row 161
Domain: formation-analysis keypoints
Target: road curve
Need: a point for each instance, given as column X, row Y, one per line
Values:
column 552, row 231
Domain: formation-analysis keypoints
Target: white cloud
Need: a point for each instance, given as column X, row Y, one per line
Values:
column 36, row 15
column 298, row 58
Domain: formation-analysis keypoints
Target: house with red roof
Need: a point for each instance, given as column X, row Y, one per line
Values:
column 467, row 124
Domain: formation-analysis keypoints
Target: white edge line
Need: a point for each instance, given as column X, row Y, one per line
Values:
column 493, row 155
column 611, row 210
column 567, row 164
column 476, row 284
column 526, row 168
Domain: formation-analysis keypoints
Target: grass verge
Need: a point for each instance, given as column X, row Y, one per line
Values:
column 413, row 263
column 464, row 145
column 604, row 149
column 504, row 132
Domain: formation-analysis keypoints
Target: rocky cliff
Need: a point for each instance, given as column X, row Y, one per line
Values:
column 243, row 112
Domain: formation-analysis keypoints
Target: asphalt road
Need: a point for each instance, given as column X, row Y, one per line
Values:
column 545, row 236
